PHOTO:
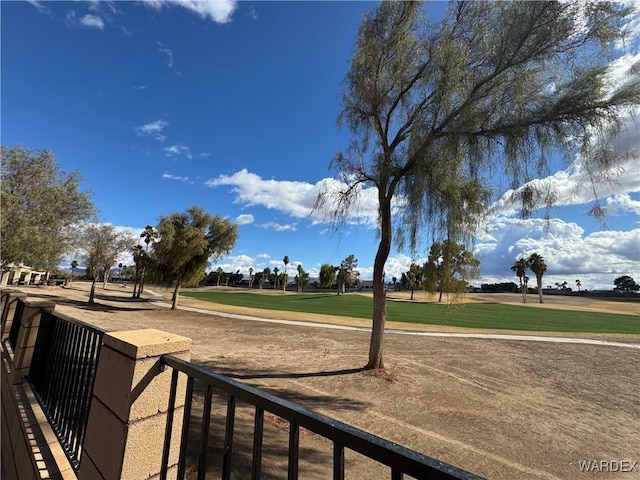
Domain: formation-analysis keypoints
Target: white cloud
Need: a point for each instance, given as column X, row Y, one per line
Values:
column 631, row 29
column 139, row 87
column 295, row 198
column 574, row 185
column 263, row 255
column 176, row 177
column 622, row 203
column 568, row 252
column 40, row 7
column 252, row 13
column 168, row 53
column 88, row 20
column 242, row 262
column 92, row 21
column 244, row 219
column 175, row 150
column 219, row 11
column 153, row 129
column 277, row 227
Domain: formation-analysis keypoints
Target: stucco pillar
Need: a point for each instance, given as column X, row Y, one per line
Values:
column 9, row 301
column 5, row 277
column 27, row 335
column 128, row 413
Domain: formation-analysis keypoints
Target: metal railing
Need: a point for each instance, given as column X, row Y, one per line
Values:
column 398, row 459
column 62, row 375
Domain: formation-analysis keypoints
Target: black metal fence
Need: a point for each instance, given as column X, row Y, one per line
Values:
column 398, row 459
column 62, row 375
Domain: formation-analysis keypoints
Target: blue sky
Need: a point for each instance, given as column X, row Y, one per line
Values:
column 232, row 106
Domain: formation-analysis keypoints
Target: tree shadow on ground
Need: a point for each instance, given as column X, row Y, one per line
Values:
column 97, row 306
column 270, row 374
column 292, row 395
column 315, row 451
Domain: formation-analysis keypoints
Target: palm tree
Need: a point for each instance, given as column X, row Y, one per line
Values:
column 285, row 260
column 275, row 277
column 250, row 277
column 149, row 235
column 302, row 279
column 578, row 284
column 139, row 259
column 537, row 266
column 74, row 265
column 520, row 267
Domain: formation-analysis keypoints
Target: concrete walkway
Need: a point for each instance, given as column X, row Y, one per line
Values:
column 486, row 336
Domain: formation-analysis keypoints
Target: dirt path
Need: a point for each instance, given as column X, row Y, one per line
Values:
column 503, row 409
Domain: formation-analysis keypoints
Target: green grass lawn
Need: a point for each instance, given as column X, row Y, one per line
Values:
column 470, row 315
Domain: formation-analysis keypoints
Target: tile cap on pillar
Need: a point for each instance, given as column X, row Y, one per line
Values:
column 33, row 303
column 148, row 342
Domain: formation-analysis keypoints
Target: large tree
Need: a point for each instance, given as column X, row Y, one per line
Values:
column 413, row 279
column 347, row 274
column 187, row 243
column 626, row 284
column 449, row 268
column 101, row 245
column 302, row 278
column 538, row 266
column 327, row 275
column 41, row 206
column 437, row 109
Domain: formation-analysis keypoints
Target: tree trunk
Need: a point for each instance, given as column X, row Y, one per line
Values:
column 107, row 271
column 440, row 297
column 141, row 287
column 379, row 294
column 412, row 294
column 174, row 298
column 540, row 288
column 93, row 289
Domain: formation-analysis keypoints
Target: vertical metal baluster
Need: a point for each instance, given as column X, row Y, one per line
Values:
column 258, row 432
column 164, row 467
column 294, row 444
column 94, row 355
column 64, row 378
column 71, row 412
column 186, row 420
column 70, row 380
column 57, row 362
column 228, row 438
column 83, row 387
column 396, row 474
column 338, row 461
column 204, row 439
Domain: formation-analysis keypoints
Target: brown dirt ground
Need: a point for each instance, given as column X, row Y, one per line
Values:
column 500, row 409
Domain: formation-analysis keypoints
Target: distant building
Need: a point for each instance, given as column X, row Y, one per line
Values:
column 21, row 274
column 366, row 285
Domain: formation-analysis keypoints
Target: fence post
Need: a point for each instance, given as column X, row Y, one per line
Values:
column 10, row 299
column 127, row 418
column 27, row 335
